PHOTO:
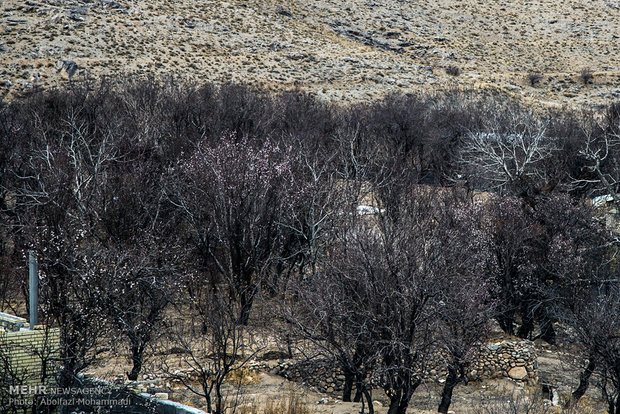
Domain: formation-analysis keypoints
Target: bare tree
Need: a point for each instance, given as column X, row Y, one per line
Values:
column 137, row 297
column 369, row 303
column 594, row 316
column 58, row 188
column 312, row 209
column 508, row 153
column 538, row 252
column 600, row 156
column 588, row 305
column 326, row 209
column 233, row 196
column 325, row 308
column 137, row 254
column 70, row 188
column 514, row 237
column 212, row 344
column 464, row 305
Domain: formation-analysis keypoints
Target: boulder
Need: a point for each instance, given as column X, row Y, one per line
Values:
column 518, row 373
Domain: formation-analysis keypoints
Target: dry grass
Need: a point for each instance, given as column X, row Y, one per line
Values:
column 343, row 50
column 242, row 376
column 291, row 403
column 531, row 401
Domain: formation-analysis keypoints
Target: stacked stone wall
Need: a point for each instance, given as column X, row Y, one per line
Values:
column 515, row 360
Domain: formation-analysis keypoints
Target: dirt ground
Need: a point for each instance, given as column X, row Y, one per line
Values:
column 467, row 399
column 556, row 368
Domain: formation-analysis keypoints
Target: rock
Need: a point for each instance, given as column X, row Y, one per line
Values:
column 80, row 10
column 273, row 355
column 161, row 395
column 69, row 67
column 284, row 12
column 112, row 4
column 518, row 373
column 188, row 23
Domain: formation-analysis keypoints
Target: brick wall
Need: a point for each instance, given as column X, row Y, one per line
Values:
column 23, row 351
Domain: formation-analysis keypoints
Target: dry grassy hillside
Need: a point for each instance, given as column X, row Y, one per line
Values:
column 345, row 50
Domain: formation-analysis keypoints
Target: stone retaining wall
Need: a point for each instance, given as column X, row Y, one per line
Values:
column 516, row 360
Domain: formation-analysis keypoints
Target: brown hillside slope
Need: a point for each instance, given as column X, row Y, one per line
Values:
column 344, row 50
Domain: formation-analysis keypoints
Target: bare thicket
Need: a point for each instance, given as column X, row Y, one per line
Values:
column 75, row 211
column 140, row 196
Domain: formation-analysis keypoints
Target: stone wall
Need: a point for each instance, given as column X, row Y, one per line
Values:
column 22, row 350
column 516, row 360
column 321, row 374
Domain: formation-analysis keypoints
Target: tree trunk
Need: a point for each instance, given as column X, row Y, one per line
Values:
column 368, row 395
column 394, row 405
column 359, row 395
column 584, row 383
column 208, row 398
column 348, row 386
column 219, row 401
column 136, row 356
column 398, row 408
column 399, row 399
column 67, row 374
column 607, row 397
column 527, row 326
column 289, row 349
column 506, row 323
column 446, row 395
column 547, row 333
column 247, row 299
